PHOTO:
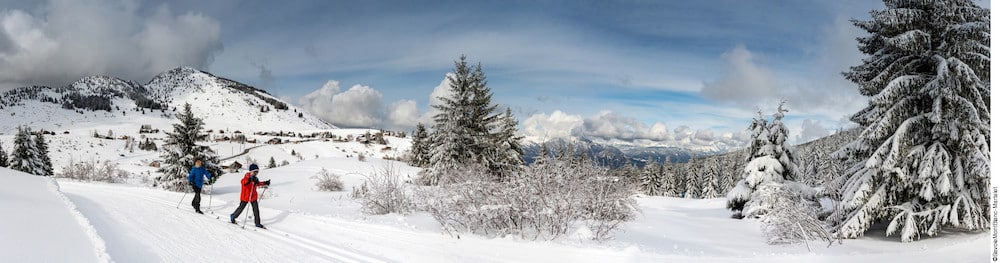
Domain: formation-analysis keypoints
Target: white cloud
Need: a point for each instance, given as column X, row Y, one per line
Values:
column 555, row 125
column 743, row 81
column 67, row 40
column 811, row 129
column 402, row 115
column 610, row 125
column 359, row 106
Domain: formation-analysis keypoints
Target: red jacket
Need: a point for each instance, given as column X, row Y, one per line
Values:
column 248, row 192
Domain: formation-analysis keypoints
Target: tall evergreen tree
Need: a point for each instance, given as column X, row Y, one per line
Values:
column 508, row 157
column 768, row 150
column 3, row 157
column 710, row 170
column 779, row 148
column 42, row 151
column 26, row 157
column 668, row 180
column 420, row 149
column 922, row 162
column 467, row 129
column 649, row 183
column 181, row 150
column 694, row 181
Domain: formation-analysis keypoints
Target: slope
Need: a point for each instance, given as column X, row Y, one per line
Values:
column 38, row 220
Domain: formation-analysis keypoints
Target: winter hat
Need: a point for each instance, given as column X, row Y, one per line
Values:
column 253, row 167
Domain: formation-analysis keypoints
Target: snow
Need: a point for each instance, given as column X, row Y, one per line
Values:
column 143, row 224
column 38, row 219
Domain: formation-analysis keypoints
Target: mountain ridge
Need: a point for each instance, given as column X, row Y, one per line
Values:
column 219, row 101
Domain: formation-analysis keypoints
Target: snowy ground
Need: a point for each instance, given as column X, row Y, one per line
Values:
column 140, row 224
column 132, row 223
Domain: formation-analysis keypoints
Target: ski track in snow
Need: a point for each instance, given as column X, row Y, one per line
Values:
column 135, row 217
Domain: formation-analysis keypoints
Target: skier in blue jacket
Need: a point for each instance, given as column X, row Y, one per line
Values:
column 196, row 178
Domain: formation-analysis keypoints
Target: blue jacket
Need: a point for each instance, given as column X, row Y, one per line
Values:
column 198, row 176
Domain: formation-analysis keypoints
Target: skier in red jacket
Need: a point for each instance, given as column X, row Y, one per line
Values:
column 248, row 193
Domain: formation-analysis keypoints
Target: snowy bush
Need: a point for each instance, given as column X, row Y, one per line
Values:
column 543, row 201
column 790, row 213
column 328, row 181
column 107, row 172
column 383, row 193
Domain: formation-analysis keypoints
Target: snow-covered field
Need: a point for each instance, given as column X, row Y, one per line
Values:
column 142, row 224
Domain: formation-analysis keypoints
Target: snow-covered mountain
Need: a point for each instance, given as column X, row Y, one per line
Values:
column 98, row 100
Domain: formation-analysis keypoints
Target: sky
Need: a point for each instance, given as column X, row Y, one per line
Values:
column 675, row 73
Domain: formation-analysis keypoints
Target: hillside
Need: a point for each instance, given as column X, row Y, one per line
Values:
column 93, row 101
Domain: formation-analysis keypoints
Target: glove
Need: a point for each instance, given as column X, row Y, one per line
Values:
column 268, row 182
column 190, row 183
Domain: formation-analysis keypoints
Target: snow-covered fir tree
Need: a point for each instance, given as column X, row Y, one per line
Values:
column 181, row 150
column 710, row 186
column 667, row 180
column 922, row 161
column 420, row 148
column 42, row 149
column 467, row 129
column 778, row 142
column 26, row 156
column 3, row 157
column 507, row 155
column 271, row 163
column 649, row 181
column 695, row 181
column 770, row 159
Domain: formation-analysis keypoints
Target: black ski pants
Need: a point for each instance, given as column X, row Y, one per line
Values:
column 256, row 211
column 196, row 202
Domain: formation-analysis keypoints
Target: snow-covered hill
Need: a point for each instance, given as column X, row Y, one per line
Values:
column 97, row 100
column 40, row 224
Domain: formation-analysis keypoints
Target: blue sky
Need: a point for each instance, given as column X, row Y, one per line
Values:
column 686, row 65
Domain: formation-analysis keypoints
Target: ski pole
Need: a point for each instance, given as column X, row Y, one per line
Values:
column 182, row 199
column 210, row 188
column 251, row 207
column 248, row 209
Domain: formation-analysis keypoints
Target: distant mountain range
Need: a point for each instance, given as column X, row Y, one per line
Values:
column 609, row 155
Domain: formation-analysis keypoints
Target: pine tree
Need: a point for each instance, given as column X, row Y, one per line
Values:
column 694, row 181
column 769, row 144
column 710, row 188
column 181, row 150
column 667, row 180
column 507, row 144
column 465, row 132
column 778, row 141
column 272, row 164
column 3, row 157
column 42, row 153
column 420, row 150
column 649, row 182
column 922, row 162
column 24, row 157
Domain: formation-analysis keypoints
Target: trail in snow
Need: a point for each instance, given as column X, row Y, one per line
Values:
column 142, row 225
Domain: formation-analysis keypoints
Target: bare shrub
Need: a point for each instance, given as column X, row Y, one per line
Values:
column 327, row 181
column 543, row 201
column 383, row 193
column 93, row 171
